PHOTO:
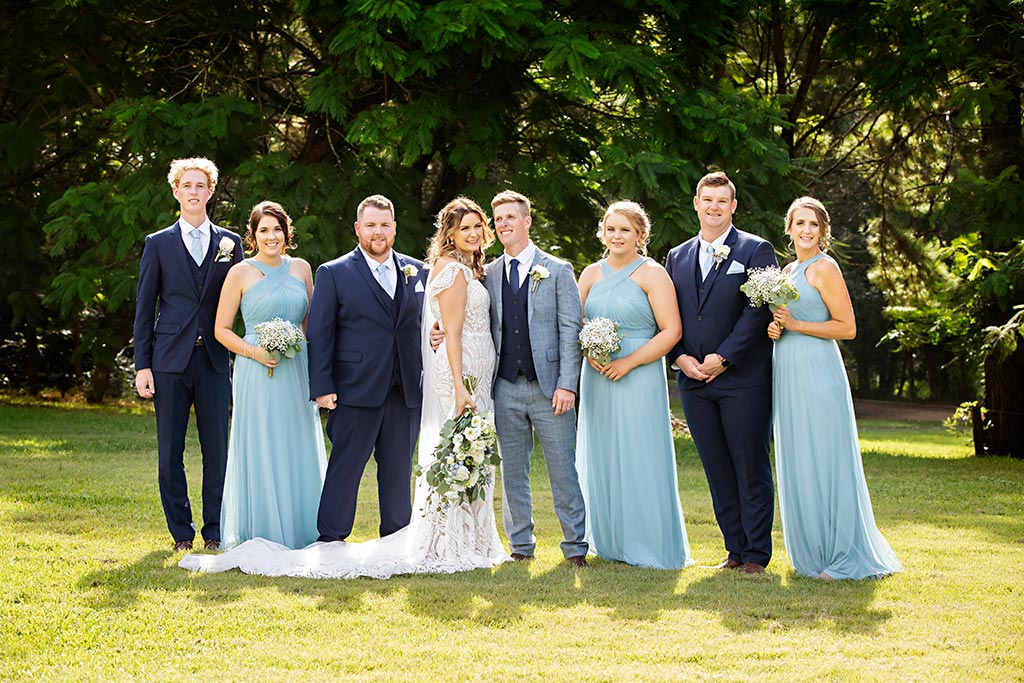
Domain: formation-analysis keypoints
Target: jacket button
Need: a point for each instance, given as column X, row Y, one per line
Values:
column 699, row 317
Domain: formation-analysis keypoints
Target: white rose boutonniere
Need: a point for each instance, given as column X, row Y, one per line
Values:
column 720, row 253
column 224, row 249
column 538, row 273
column 409, row 270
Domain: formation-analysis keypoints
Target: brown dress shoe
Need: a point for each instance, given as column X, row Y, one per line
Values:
column 753, row 568
column 578, row 561
column 729, row 564
column 213, row 545
column 519, row 557
column 182, row 546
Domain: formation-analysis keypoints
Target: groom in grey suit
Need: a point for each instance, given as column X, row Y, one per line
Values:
column 535, row 323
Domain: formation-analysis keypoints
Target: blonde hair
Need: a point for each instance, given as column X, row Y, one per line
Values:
column 377, row 201
column 179, row 166
column 449, row 219
column 637, row 217
column 511, row 197
column 824, row 222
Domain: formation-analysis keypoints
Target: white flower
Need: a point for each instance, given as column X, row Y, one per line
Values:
column 461, row 474
column 279, row 337
column 600, row 338
column 473, row 433
column 720, row 253
column 769, row 286
column 225, row 248
column 538, row 273
column 409, row 270
column 477, row 421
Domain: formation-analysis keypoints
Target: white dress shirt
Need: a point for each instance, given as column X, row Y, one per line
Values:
column 389, row 271
column 525, row 259
column 707, row 257
column 204, row 234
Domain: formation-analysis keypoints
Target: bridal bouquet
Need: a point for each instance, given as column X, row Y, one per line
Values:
column 769, row 286
column 600, row 338
column 464, row 459
column 280, row 338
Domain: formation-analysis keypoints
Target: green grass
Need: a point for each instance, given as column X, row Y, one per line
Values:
column 91, row 591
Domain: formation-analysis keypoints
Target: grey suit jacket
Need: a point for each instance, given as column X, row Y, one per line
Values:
column 555, row 316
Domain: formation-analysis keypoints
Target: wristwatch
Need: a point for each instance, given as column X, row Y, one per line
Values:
column 725, row 361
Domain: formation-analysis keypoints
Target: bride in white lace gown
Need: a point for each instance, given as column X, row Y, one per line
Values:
column 463, row 537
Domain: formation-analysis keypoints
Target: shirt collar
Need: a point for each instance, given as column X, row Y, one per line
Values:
column 187, row 227
column 525, row 257
column 373, row 264
column 718, row 242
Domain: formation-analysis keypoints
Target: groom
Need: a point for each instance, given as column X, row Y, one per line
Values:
column 724, row 363
column 365, row 367
column 178, row 362
column 535, row 322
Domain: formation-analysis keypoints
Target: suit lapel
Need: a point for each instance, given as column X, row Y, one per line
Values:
column 495, row 273
column 210, row 248
column 539, row 258
column 363, row 268
column 400, row 286
column 715, row 270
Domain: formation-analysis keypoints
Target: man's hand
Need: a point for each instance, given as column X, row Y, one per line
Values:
column 563, row 400
column 329, row 401
column 712, row 366
column 436, row 336
column 144, row 383
column 691, row 368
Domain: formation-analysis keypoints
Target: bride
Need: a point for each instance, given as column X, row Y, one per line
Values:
column 461, row 537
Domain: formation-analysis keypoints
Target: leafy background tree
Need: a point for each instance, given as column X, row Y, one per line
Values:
column 904, row 117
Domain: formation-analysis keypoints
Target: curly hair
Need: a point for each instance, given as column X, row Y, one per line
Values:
column 824, row 222
column 448, row 221
column 637, row 217
column 267, row 208
column 179, row 166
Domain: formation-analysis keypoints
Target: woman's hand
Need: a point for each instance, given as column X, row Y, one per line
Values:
column 774, row 330
column 783, row 318
column 616, row 369
column 263, row 357
column 463, row 400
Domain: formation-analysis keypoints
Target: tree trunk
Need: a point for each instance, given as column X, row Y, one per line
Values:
column 1004, row 399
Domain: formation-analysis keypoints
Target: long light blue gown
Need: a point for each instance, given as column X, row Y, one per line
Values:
column 276, row 453
column 827, row 521
column 625, row 454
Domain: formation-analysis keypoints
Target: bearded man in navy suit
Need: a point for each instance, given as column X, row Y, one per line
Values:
column 178, row 361
column 366, row 367
column 724, row 363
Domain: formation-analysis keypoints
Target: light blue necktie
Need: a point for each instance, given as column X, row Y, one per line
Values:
column 197, row 247
column 384, row 280
column 705, row 267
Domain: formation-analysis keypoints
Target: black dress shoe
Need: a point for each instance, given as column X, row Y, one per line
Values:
column 213, row 544
column 578, row 561
column 182, row 546
column 519, row 557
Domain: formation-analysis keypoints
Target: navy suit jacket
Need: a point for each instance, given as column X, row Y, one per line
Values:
column 166, row 343
column 717, row 316
column 354, row 338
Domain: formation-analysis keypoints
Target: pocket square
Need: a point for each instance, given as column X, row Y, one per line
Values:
column 419, row 286
column 736, row 267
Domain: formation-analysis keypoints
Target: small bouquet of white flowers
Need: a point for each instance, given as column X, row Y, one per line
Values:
column 769, row 286
column 464, row 459
column 600, row 338
column 280, row 338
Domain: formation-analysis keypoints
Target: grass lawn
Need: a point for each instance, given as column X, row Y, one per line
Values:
column 91, row 590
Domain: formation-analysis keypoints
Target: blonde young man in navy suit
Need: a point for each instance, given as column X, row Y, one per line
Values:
column 178, row 361
column 724, row 363
column 365, row 367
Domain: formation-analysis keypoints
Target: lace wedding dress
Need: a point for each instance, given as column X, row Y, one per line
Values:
column 453, row 540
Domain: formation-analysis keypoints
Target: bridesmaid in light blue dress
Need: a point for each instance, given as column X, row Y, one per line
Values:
column 827, row 521
column 625, row 454
column 276, row 453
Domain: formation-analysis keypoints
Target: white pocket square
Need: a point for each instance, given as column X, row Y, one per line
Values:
column 736, row 267
column 419, row 286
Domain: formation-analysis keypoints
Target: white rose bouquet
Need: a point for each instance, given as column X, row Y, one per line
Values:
column 280, row 338
column 464, row 459
column 769, row 286
column 600, row 338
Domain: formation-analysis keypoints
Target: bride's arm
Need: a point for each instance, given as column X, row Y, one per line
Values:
column 452, row 302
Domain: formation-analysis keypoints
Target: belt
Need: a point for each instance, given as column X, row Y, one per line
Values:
column 200, row 341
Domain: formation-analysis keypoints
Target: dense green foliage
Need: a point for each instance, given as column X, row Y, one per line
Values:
column 904, row 116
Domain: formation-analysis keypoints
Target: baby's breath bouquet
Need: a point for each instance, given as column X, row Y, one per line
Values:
column 280, row 338
column 600, row 338
column 769, row 286
column 464, row 459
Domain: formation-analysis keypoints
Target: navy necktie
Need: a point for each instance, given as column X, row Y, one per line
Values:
column 513, row 276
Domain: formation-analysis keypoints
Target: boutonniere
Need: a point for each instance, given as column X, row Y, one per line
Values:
column 720, row 253
column 409, row 270
column 538, row 273
column 224, row 249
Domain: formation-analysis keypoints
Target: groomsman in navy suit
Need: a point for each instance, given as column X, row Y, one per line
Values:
column 178, row 362
column 724, row 363
column 365, row 367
